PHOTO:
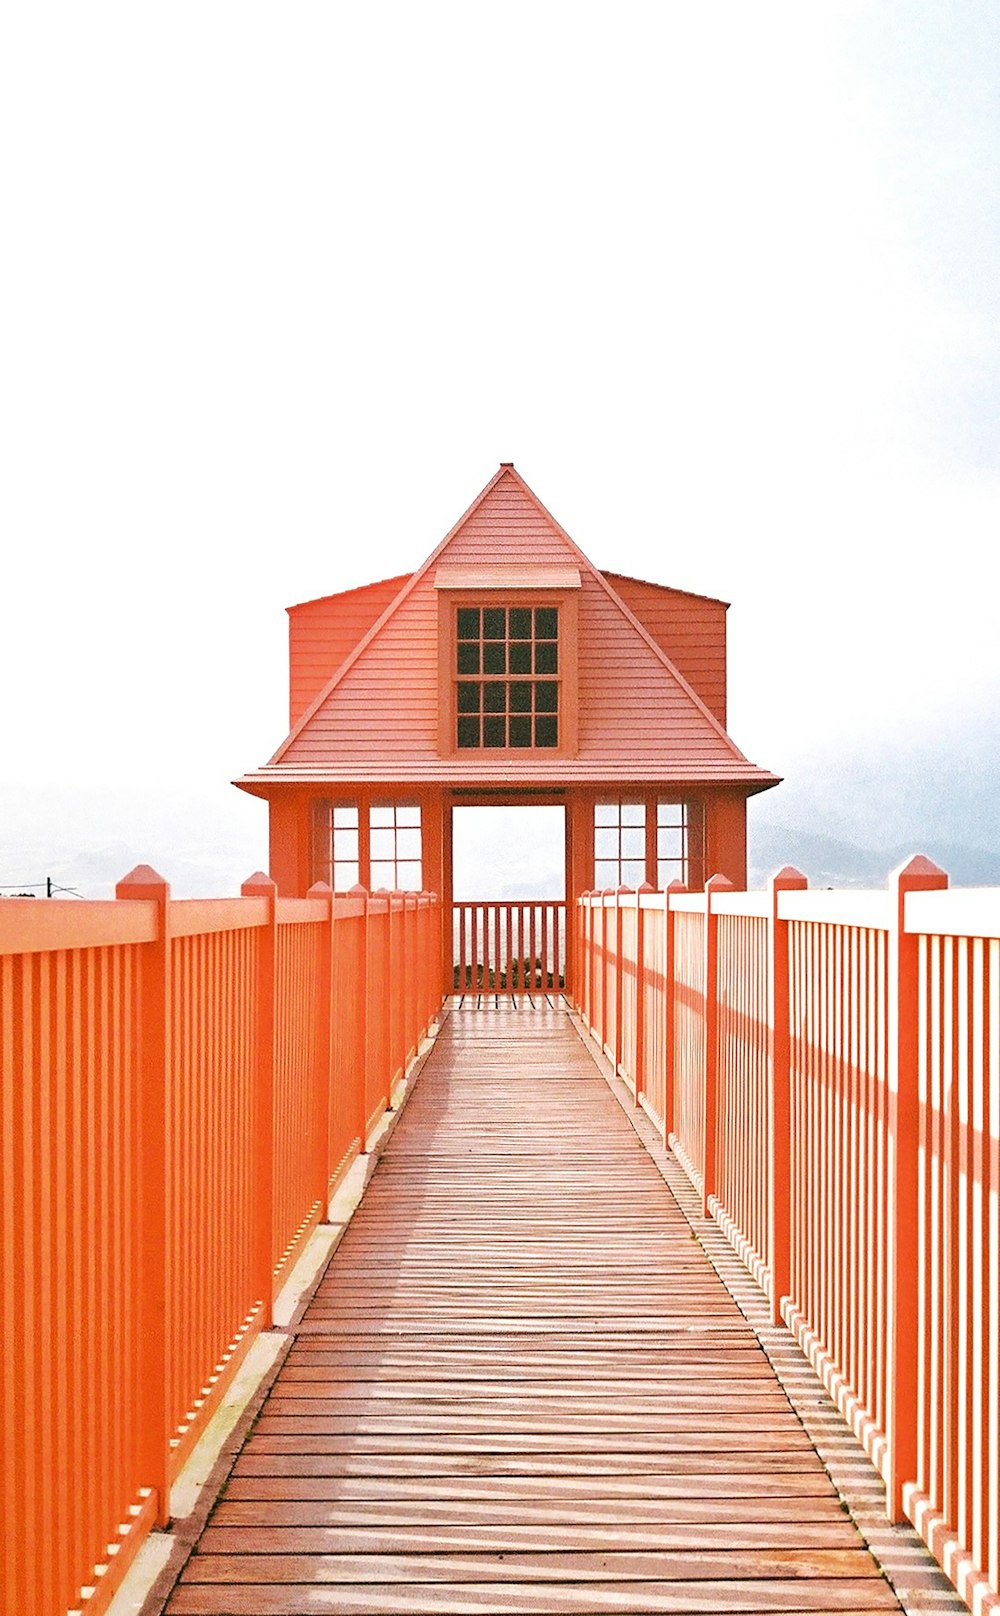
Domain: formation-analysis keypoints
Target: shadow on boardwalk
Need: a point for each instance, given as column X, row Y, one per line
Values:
column 521, row 1385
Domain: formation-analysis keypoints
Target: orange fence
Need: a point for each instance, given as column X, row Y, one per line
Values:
column 182, row 1085
column 509, row 947
column 826, row 1066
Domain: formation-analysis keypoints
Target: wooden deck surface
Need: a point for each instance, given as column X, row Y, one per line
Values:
column 522, row 1388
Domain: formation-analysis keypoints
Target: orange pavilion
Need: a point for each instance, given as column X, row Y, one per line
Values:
column 507, row 670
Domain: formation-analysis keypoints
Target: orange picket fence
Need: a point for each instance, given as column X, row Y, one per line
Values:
column 182, row 1086
column 826, row 1067
column 511, row 947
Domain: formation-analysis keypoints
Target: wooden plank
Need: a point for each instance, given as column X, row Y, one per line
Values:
column 521, row 1387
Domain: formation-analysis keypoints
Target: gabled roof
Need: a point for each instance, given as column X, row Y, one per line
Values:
column 376, row 719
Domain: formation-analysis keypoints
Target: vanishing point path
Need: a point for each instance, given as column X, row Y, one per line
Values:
column 521, row 1386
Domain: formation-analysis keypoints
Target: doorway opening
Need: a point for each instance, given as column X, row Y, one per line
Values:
column 508, row 907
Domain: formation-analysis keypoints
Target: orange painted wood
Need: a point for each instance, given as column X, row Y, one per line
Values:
column 323, row 633
column 175, row 1103
column 629, row 713
column 691, row 629
column 521, row 1386
column 856, row 1083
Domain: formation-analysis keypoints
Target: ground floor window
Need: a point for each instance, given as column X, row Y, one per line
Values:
column 619, row 844
column 396, row 850
column 378, row 845
column 671, row 843
column 640, row 841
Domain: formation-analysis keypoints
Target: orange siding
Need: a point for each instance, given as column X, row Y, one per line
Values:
column 323, row 633
column 637, row 719
column 691, row 629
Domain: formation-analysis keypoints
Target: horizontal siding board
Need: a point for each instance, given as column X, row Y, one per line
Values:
column 323, row 633
column 691, row 629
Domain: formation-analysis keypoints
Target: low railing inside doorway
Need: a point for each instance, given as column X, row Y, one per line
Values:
column 515, row 948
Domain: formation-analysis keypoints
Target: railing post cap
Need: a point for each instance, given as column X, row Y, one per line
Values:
column 676, row 885
column 919, row 870
column 320, row 889
column 622, row 889
column 142, row 882
column 645, row 886
column 719, row 883
column 357, row 891
column 788, row 876
column 258, row 885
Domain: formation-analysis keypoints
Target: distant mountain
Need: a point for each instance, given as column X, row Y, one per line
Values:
column 830, row 862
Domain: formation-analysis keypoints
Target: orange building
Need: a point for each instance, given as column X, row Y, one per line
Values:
column 507, row 670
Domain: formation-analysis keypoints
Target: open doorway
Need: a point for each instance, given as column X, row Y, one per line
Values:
column 506, row 854
column 509, row 911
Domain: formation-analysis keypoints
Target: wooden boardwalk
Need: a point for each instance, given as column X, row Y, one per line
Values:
column 522, row 1388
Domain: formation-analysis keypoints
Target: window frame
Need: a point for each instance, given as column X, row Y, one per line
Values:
column 450, row 603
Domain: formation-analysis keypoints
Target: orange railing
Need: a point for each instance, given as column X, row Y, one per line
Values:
column 182, row 1085
column 509, row 948
column 826, row 1067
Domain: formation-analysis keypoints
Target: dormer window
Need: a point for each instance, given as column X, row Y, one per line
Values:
column 507, row 668
column 508, row 658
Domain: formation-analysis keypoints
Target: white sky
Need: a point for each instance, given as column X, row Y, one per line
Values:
column 282, row 285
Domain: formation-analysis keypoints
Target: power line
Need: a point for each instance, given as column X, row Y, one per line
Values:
column 48, row 886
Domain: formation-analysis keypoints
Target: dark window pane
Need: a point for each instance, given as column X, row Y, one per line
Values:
column 468, row 658
column 546, row 732
column 520, row 623
column 546, row 657
column 468, row 698
column 468, row 623
column 546, row 697
column 494, row 623
column 520, row 697
column 494, row 658
column 468, row 732
column 495, row 697
column 546, row 623
column 520, row 732
column 520, row 657
column 494, row 731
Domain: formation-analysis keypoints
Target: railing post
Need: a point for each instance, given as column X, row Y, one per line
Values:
column 602, row 1036
column 358, row 891
column 324, row 1055
column 639, row 1041
column 261, row 886
column 779, row 1092
column 903, row 1147
column 621, row 893
column 591, row 925
column 669, row 1007
column 715, row 883
column 154, row 1432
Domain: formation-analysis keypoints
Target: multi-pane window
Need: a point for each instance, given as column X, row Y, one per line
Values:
column 631, row 838
column 619, row 844
column 671, row 843
column 395, row 847
column 507, row 666
column 344, row 840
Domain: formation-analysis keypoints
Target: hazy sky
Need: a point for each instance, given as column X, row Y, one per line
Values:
column 282, row 285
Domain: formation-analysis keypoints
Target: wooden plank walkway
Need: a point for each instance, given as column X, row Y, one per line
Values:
column 521, row 1387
